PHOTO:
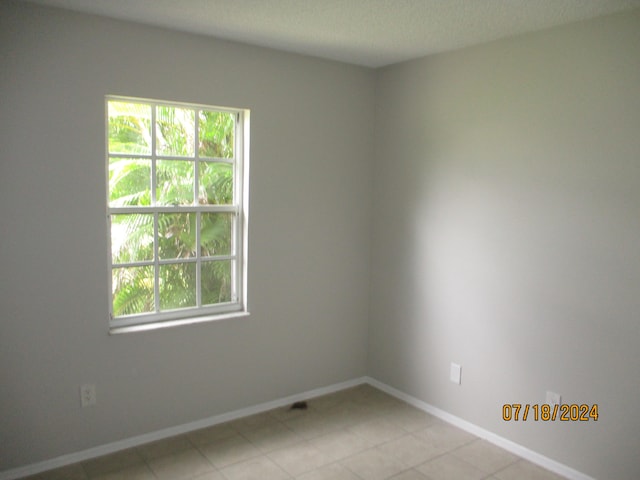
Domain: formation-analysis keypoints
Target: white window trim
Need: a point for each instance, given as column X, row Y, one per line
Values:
column 188, row 316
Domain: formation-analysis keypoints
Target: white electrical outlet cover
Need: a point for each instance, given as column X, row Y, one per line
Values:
column 87, row 395
column 553, row 398
column 456, row 373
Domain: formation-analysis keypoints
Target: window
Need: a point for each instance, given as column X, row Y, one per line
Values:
column 177, row 176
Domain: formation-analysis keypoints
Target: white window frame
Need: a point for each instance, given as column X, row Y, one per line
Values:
column 237, row 307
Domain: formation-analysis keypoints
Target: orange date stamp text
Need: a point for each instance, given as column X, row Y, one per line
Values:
column 567, row 412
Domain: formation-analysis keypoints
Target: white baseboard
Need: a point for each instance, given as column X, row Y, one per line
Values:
column 172, row 431
column 99, row 451
column 501, row 442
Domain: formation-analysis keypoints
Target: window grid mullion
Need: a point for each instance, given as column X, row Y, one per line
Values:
column 238, row 193
column 234, row 244
column 198, row 262
column 156, row 265
column 154, row 187
column 174, row 261
column 142, row 156
column 154, row 181
column 196, row 197
column 133, row 264
column 234, row 209
column 196, row 173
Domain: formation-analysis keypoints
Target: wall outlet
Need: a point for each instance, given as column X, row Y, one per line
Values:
column 553, row 398
column 87, row 395
column 455, row 374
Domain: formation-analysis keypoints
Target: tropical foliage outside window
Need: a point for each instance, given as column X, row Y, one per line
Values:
column 175, row 193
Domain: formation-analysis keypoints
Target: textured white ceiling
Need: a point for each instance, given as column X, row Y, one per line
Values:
column 372, row 33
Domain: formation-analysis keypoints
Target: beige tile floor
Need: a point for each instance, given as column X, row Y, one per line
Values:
column 355, row 434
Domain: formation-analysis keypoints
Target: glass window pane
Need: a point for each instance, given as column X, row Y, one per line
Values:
column 175, row 131
column 131, row 237
column 174, row 182
column 216, row 134
column 216, row 234
column 129, row 127
column 132, row 290
column 216, row 282
column 129, row 182
column 176, row 235
column 215, row 183
column 177, row 286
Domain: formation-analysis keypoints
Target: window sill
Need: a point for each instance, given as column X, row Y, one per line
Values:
column 176, row 323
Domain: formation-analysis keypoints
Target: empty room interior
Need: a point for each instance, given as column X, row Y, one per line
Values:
column 453, row 233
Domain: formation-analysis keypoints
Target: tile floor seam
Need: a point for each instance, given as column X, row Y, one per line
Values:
column 219, row 469
column 150, row 469
column 506, row 466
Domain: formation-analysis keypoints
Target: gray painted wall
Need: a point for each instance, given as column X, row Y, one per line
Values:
column 506, row 235
column 312, row 124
